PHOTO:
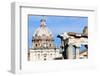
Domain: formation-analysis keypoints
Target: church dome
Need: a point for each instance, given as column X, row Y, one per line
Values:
column 42, row 37
column 42, row 30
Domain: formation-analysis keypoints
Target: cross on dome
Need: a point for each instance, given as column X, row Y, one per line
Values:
column 43, row 22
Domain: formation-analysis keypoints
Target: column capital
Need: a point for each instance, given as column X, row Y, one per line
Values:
column 77, row 45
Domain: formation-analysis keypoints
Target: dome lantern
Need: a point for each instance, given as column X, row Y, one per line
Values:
column 43, row 22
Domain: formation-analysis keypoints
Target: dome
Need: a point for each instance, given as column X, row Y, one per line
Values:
column 42, row 37
column 42, row 30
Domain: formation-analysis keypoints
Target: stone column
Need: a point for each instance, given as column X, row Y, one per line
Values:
column 28, row 56
column 87, row 50
column 77, row 51
column 70, row 52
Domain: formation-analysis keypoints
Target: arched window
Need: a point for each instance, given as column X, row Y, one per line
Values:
column 36, row 45
column 50, row 45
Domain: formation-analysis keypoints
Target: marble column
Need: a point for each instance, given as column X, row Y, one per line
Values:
column 87, row 50
column 70, row 52
column 77, row 51
column 28, row 56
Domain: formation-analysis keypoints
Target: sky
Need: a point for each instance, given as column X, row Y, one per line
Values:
column 57, row 25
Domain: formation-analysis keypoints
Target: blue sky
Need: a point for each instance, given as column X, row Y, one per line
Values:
column 57, row 25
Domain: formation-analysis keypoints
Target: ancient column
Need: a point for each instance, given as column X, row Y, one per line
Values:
column 70, row 52
column 77, row 51
column 87, row 50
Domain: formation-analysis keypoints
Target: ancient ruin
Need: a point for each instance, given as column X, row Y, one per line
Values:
column 72, row 41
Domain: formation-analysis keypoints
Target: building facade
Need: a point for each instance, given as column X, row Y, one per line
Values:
column 43, row 47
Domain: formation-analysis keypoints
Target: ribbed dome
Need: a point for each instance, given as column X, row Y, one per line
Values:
column 42, row 30
column 42, row 37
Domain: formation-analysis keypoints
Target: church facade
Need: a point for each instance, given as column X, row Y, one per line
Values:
column 43, row 47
